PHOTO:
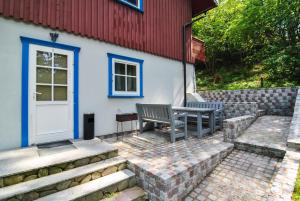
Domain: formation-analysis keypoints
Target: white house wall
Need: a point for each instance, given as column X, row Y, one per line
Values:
column 163, row 80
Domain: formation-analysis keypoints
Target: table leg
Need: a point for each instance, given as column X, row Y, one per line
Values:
column 122, row 130
column 199, row 125
column 117, row 130
column 211, row 122
column 131, row 127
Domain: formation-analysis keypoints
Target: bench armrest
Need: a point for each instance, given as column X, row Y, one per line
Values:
column 219, row 112
column 178, row 115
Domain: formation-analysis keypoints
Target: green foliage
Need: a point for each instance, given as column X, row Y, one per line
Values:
column 244, row 33
column 239, row 78
column 296, row 194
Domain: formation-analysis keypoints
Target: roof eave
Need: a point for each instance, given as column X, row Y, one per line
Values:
column 200, row 6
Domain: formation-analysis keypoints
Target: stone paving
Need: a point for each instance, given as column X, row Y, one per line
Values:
column 241, row 176
column 267, row 131
column 169, row 171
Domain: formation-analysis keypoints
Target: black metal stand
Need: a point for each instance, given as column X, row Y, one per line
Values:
column 120, row 118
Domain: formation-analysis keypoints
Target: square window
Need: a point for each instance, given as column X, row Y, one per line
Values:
column 125, row 76
column 120, row 83
column 131, row 84
column 135, row 4
column 120, row 68
column 131, row 70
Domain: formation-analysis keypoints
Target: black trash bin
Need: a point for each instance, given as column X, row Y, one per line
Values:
column 88, row 126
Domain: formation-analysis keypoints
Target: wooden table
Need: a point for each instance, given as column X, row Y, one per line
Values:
column 199, row 112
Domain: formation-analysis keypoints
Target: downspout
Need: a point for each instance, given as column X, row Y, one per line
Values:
column 185, row 26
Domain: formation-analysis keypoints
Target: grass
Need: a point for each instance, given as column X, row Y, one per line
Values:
column 296, row 194
column 238, row 78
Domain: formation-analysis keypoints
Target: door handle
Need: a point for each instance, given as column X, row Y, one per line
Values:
column 38, row 93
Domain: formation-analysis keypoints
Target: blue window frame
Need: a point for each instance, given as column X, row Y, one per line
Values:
column 125, row 77
column 135, row 4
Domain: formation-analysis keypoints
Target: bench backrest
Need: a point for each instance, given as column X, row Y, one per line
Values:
column 155, row 112
column 211, row 105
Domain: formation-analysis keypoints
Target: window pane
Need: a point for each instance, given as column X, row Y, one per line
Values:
column 131, row 70
column 43, row 75
column 43, row 93
column 131, row 84
column 119, row 83
column 134, row 2
column 44, row 58
column 60, row 60
column 60, row 93
column 120, row 68
column 60, row 77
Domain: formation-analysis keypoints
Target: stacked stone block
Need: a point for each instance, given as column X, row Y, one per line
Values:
column 276, row 101
column 234, row 127
column 43, row 172
column 233, row 109
column 165, row 187
column 283, row 183
column 77, row 181
column 294, row 132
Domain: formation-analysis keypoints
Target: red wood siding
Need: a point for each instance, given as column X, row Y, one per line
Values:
column 198, row 50
column 157, row 30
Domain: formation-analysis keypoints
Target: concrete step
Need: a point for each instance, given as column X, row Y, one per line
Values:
column 96, row 189
column 42, row 186
column 130, row 194
column 26, row 164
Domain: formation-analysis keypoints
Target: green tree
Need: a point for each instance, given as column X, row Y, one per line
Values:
column 248, row 32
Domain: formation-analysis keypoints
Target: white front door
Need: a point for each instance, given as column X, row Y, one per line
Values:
column 50, row 94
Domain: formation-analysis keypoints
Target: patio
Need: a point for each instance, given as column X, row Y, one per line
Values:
column 225, row 172
column 249, row 159
column 168, row 171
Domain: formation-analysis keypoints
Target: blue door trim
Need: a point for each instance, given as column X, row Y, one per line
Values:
column 25, row 73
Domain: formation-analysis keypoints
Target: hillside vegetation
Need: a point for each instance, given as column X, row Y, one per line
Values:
column 247, row 40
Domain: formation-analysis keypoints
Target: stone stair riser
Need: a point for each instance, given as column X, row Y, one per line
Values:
column 108, row 191
column 42, row 172
column 68, row 183
column 266, row 151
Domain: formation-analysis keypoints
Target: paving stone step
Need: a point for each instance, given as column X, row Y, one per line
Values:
column 34, row 163
column 52, row 183
column 96, row 189
column 130, row 194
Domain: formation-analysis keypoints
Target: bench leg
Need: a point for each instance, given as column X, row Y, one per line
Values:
column 185, row 128
column 172, row 134
column 141, row 126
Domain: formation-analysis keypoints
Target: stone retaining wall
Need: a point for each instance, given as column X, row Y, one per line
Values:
column 294, row 133
column 45, row 171
column 233, row 109
column 283, row 183
column 233, row 127
column 276, row 101
column 71, row 183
